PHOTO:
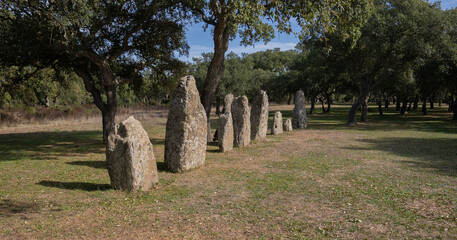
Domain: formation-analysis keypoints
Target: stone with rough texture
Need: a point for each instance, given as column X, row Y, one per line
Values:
column 130, row 157
column 259, row 116
column 225, row 132
column 227, row 108
column 185, row 138
column 241, row 115
column 277, row 124
column 228, row 103
column 288, row 125
column 299, row 115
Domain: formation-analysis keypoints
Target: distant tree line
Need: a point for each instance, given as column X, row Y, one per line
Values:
column 123, row 52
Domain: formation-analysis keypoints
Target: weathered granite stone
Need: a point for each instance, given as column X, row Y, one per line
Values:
column 227, row 108
column 130, row 158
column 225, row 132
column 241, row 121
column 259, row 116
column 277, row 124
column 299, row 116
column 185, row 138
column 288, row 125
column 228, row 103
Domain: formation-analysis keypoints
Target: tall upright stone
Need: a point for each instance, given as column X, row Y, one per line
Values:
column 130, row 157
column 225, row 132
column 227, row 108
column 259, row 116
column 277, row 124
column 185, row 138
column 241, row 115
column 288, row 125
column 299, row 115
column 228, row 103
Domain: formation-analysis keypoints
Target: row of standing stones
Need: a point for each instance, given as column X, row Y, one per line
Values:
column 130, row 157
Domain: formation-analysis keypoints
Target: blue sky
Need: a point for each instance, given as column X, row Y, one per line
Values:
column 201, row 41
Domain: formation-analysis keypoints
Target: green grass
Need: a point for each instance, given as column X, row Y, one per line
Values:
column 393, row 177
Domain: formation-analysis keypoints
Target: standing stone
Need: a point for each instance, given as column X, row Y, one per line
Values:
column 288, row 125
column 299, row 116
column 227, row 108
column 259, row 116
column 130, row 158
column 228, row 103
column 241, row 121
column 225, row 132
column 185, row 138
column 277, row 124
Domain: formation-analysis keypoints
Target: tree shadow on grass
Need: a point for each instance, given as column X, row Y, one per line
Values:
column 9, row 208
column 438, row 121
column 94, row 164
column 162, row 167
column 213, row 143
column 435, row 154
column 90, row 187
column 157, row 141
column 49, row 145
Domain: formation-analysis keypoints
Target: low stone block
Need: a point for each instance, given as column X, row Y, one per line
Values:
column 277, row 124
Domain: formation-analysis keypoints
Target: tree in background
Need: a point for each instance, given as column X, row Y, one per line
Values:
column 106, row 43
column 246, row 74
column 399, row 33
column 252, row 22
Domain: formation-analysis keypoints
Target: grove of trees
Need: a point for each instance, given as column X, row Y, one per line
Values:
column 116, row 52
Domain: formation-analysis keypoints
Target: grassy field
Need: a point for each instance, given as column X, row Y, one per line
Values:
column 392, row 178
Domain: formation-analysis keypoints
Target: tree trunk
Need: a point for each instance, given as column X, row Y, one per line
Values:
column 291, row 98
column 218, row 108
column 108, row 118
column 450, row 103
column 380, row 106
column 454, row 117
column 107, row 109
column 386, row 102
column 355, row 106
column 416, row 104
column 216, row 68
column 397, row 104
column 424, row 105
column 409, row 106
column 109, row 113
column 323, row 106
column 313, row 103
column 432, row 105
column 329, row 101
column 364, row 117
column 403, row 106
